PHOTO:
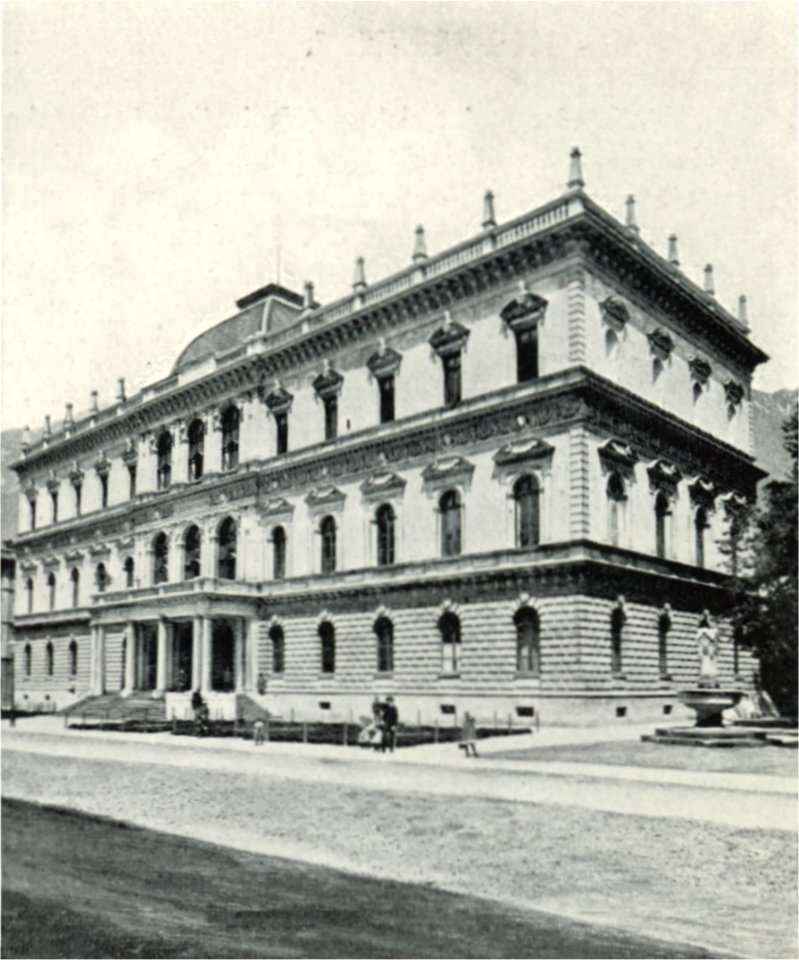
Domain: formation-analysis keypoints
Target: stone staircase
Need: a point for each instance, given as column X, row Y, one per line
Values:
column 249, row 710
column 113, row 708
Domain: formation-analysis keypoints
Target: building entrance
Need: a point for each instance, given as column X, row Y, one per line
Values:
column 147, row 659
column 181, row 672
column 223, row 657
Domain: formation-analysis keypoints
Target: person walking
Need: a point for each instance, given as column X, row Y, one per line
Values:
column 258, row 733
column 468, row 735
column 390, row 723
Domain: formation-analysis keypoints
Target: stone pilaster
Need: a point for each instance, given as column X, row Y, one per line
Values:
column 579, row 483
column 576, row 312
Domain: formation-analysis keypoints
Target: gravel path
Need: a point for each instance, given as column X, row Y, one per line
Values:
column 730, row 890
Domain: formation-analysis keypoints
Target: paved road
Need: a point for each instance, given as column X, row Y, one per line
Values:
column 727, row 799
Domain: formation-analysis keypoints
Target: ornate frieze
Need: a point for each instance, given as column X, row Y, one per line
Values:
column 614, row 313
column 525, row 311
column 660, row 344
column 523, row 451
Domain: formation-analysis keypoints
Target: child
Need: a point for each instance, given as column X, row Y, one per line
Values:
column 468, row 735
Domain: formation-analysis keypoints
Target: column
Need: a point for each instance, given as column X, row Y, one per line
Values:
column 130, row 658
column 206, row 635
column 161, row 654
column 253, row 631
column 196, row 653
column 93, row 661
column 239, row 654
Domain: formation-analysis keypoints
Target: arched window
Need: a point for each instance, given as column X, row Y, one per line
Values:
column 160, row 559
column 528, row 513
column 700, row 525
column 28, row 660
column 662, row 513
column 278, row 553
column 617, row 500
column 73, row 658
column 196, row 437
column 384, row 520
column 226, row 565
column 528, row 641
column 129, row 568
column 327, row 638
column 449, row 626
column 74, row 578
column 101, row 578
column 164, row 452
column 664, row 625
column 616, row 629
column 384, row 630
column 328, row 531
column 191, row 553
column 29, row 593
column 450, row 509
column 51, row 585
column 278, row 649
column 48, row 659
column 230, row 438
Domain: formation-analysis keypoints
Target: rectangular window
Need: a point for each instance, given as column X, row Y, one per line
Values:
column 449, row 657
column 282, row 425
column 104, row 491
column 527, row 354
column 386, row 399
column 331, row 418
column 33, row 513
column 54, row 497
column 452, row 379
column 132, row 476
column 78, row 491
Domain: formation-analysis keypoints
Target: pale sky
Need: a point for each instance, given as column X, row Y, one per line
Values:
column 157, row 155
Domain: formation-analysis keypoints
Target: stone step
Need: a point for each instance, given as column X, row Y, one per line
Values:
column 708, row 741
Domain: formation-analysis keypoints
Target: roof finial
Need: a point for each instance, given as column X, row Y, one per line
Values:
column 121, row 390
column 674, row 258
column 742, row 312
column 419, row 246
column 69, row 420
column 307, row 300
column 48, row 430
column 632, row 226
column 709, row 287
column 489, row 217
column 576, row 181
column 359, row 280
column 93, row 406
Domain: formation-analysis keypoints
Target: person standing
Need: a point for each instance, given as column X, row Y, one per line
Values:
column 390, row 723
column 468, row 735
column 258, row 732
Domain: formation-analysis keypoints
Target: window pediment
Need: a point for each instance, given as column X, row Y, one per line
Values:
column 522, row 452
column 53, row 484
column 450, row 337
column 51, row 561
column 383, row 485
column 28, row 565
column 102, row 465
column 31, row 491
column 525, row 311
column 131, row 454
column 279, row 400
column 448, row 470
column 99, row 550
column 733, row 392
column 664, row 476
column 326, row 498
column 384, row 362
column 616, row 455
column 703, row 491
column 76, row 475
column 700, row 370
column 614, row 313
column 328, row 383
column 280, row 507
column 73, row 556
column 660, row 344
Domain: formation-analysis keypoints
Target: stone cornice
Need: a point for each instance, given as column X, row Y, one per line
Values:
column 546, row 406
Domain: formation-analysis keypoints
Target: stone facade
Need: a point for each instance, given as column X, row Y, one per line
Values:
column 534, row 440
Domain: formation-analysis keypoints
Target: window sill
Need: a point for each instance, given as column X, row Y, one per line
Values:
column 449, row 676
column 666, row 678
column 384, row 675
column 618, row 676
column 527, row 675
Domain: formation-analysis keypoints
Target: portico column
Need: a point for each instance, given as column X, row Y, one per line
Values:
column 130, row 658
column 253, row 631
column 98, row 660
column 161, row 653
column 196, row 653
column 93, row 661
column 205, row 656
column 239, row 654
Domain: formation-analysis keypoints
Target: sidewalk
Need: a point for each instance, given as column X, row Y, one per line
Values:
column 740, row 800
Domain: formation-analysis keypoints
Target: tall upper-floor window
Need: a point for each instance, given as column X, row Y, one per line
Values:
column 51, row 589
column 617, row 504
column 664, row 626
column 160, row 559
column 384, row 632
column 449, row 627
column 73, row 658
column 616, row 630
column 230, row 438
column 452, row 379
column 662, row 515
column 129, row 568
column 78, row 488
column 28, row 660
column 527, row 354
column 29, row 594
column 54, row 500
column 451, row 521
column 191, row 553
column 327, row 529
column 331, row 416
column 103, row 490
column 74, row 579
column 526, row 495
column 49, row 659
column 278, row 553
column 701, row 524
column 32, row 512
column 523, row 315
column 278, row 639
column 101, row 578
column 164, row 454
column 226, row 564
column 386, row 387
column 282, row 432
column 385, row 524
column 528, row 641
column 196, row 438
column 131, row 480
column 327, row 641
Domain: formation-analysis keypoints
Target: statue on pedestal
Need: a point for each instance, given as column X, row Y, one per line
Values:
column 708, row 647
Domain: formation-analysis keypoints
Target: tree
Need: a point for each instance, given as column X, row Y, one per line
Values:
column 761, row 547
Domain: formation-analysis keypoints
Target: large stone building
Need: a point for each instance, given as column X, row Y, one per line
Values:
column 494, row 480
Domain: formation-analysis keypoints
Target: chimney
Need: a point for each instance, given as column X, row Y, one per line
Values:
column 359, row 281
column 632, row 226
column 709, row 288
column 307, row 300
column 742, row 312
column 674, row 258
column 94, row 408
column 489, row 217
column 576, row 181
column 48, row 430
column 419, row 247
column 69, row 420
column 121, row 390
column 26, row 440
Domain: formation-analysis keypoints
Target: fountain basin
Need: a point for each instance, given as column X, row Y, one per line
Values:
column 708, row 703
